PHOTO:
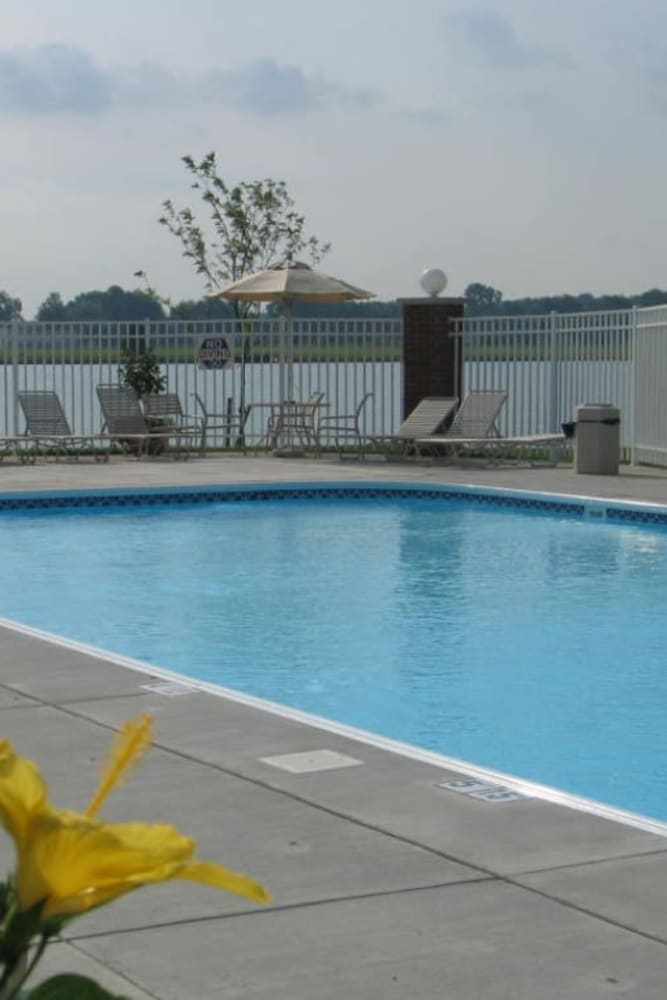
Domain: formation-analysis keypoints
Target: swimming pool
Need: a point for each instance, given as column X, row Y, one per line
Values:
column 525, row 639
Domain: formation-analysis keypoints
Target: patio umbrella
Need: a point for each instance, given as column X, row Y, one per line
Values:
column 290, row 281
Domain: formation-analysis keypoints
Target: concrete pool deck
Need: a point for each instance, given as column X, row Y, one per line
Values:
column 385, row 884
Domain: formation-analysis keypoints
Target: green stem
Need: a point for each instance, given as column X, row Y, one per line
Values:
column 17, row 977
column 13, row 971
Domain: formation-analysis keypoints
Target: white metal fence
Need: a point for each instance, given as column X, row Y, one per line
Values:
column 650, row 386
column 548, row 364
column 343, row 359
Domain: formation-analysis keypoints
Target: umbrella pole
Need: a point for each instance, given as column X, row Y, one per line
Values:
column 286, row 444
column 289, row 413
column 282, row 394
column 290, row 351
column 240, row 441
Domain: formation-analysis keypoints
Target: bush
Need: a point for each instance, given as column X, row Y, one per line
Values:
column 142, row 372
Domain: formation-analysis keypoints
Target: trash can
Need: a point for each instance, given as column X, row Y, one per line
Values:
column 597, row 439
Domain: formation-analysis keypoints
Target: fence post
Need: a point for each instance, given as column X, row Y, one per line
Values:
column 554, row 373
column 634, row 395
column 430, row 351
column 14, row 346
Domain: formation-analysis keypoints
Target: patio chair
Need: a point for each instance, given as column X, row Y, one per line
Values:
column 126, row 424
column 229, row 426
column 339, row 428
column 164, row 410
column 48, row 431
column 428, row 416
column 292, row 420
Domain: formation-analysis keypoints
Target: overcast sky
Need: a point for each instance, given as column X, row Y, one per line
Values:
column 520, row 143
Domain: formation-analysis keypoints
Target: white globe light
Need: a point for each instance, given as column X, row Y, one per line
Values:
column 433, row 281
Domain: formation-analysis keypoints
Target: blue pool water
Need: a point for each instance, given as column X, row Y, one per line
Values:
column 528, row 643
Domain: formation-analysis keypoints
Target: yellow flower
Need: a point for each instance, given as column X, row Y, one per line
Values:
column 131, row 743
column 22, row 793
column 70, row 863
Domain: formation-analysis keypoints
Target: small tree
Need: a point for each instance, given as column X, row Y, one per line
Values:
column 141, row 371
column 152, row 293
column 252, row 225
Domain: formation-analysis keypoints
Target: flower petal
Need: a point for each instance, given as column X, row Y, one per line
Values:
column 131, row 743
column 22, row 793
column 162, row 838
column 209, row 873
column 75, row 864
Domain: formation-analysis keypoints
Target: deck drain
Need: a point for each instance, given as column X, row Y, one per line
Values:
column 170, row 689
column 481, row 790
column 310, row 760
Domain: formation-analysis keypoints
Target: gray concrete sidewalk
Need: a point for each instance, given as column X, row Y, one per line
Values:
column 385, row 884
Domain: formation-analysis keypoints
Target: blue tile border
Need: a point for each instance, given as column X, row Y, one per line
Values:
column 293, row 491
column 647, row 516
column 571, row 506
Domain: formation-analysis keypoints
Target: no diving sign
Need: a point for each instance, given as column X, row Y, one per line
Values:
column 213, row 353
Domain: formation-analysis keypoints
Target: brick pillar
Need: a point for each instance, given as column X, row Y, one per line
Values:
column 430, row 354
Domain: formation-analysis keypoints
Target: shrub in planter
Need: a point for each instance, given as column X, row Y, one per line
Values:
column 141, row 371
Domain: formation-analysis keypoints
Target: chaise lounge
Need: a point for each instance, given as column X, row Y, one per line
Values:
column 126, row 424
column 475, row 430
column 47, row 430
column 427, row 418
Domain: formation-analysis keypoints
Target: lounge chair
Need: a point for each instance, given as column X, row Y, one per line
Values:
column 476, row 418
column 339, row 428
column 428, row 417
column 475, row 430
column 126, row 424
column 530, row 447
column 47, row 429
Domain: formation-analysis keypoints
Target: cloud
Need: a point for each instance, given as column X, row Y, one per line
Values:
column 54, row 79
column 494, row 41
column 266, row 87
column 148, row 85
column 427, row 116
column 652, row 74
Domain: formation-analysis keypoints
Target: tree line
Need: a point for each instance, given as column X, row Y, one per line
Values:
column 484, row 300
column 135, row 305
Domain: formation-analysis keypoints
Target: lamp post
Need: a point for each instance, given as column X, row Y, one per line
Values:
column 433, row 281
